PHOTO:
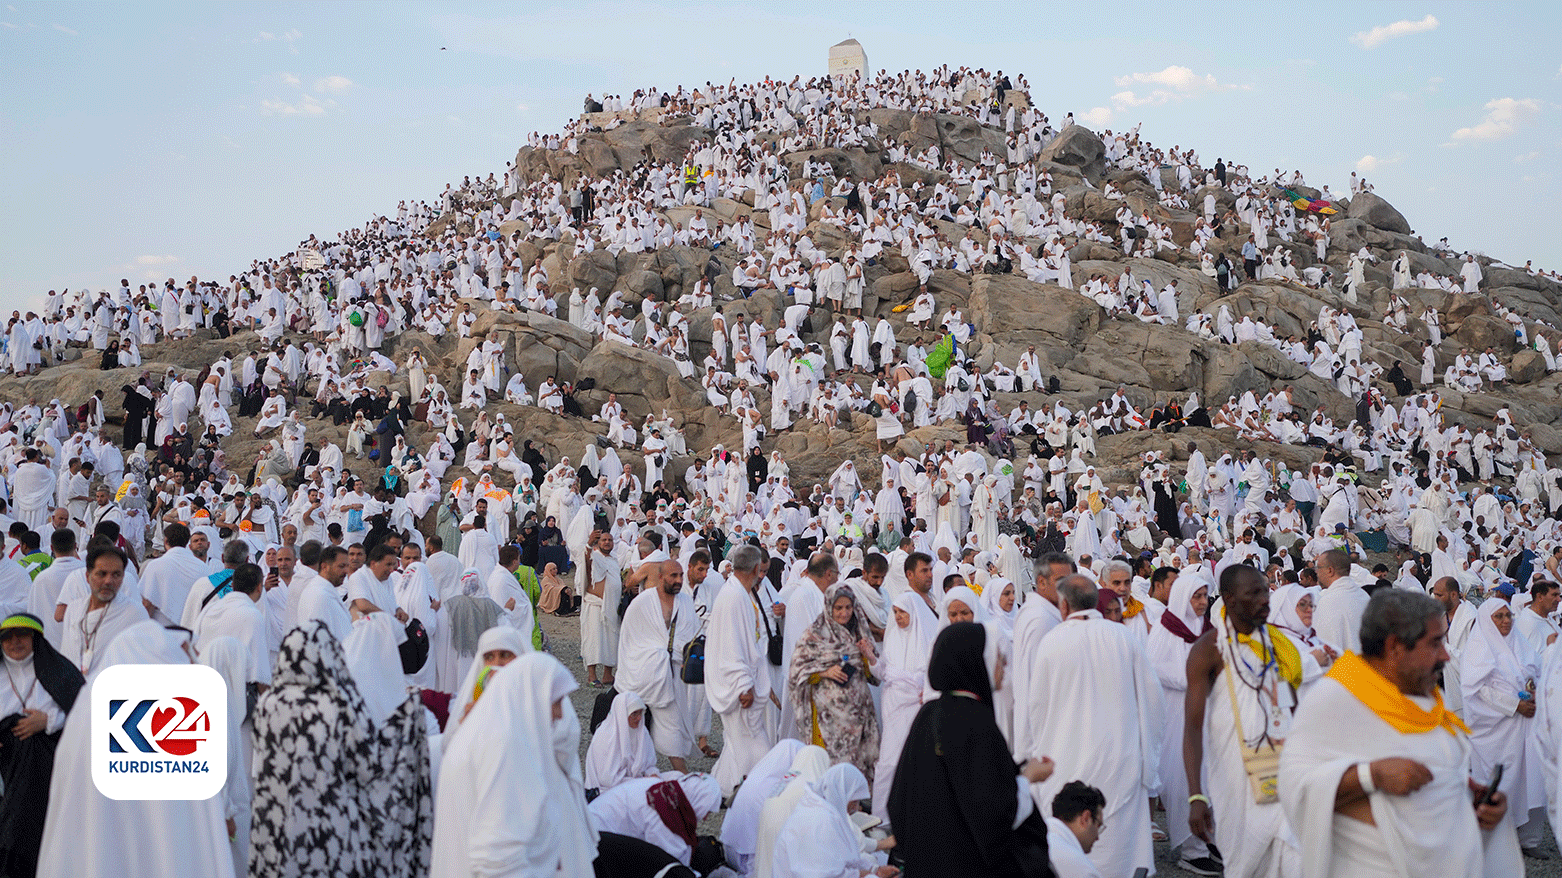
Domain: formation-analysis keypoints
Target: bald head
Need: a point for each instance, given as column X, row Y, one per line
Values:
column 1076, row 593
column 672, row 576
column 1446, row 591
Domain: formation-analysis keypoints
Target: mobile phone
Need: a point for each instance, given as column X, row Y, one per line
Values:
column 1142, row 872
column 273, row 571
column 1491, row 788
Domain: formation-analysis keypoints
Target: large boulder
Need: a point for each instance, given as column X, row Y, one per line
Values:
column 1078, row 147
column 596, row 269
column 1527, row 366
column 1479, row 332
column 1011, row 310
column 644, row 381
column 1378, row 213
column 967, row 138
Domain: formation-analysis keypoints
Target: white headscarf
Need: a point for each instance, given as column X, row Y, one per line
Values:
column 500, row 636
column 375, row 665
column 966, row 596
column 740, row 828
column 518, row 813
column 808, row 765
column 1283, row 602
column 820, row 838
column 910, row 647
column 1490, row 659
column 991, row 592
column 619, row 752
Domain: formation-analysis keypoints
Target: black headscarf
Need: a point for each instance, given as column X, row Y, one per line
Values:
column 953, row 799
column 27, row 766
column 55, row 673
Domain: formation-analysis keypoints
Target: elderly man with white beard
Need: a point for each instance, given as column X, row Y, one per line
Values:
column 1110, row 743
column 737, row 672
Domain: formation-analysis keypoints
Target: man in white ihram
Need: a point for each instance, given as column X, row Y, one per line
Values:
column 658, row 624
column 1394, row 796
column 1112, row 742
column 737, row 672
column 1337, row 618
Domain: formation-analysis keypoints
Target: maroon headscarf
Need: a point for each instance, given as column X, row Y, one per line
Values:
column 667, row 799
column 1173, row 623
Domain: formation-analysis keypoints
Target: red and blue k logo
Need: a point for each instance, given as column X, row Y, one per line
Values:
column 174, row 726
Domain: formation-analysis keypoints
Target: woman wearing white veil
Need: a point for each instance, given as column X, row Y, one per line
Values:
column 808, row 765
column 611, row 466
column 892, row 514
column 1497, row 669
column 844, row 482
column 1171, row 640
column 908, row 641
column 819, row 838
column 400, row 782
column 740, row 828
column 506, row 807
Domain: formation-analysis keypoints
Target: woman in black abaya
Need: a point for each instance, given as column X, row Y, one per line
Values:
column 43, row 686
column 959, row 803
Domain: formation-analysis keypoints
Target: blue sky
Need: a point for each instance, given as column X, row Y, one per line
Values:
column 179, row 139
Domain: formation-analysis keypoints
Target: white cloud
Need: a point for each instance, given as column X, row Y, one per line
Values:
column 286, row 36
column 1096, row 117
column 522, row 108
column 1172, row 84
column 1503, row 117
column 333, row 84
column 289, row 79
column 65, row 30
column 309, row 106
column 1369, row 164
column 1527, row 157
column 155, row 260
column 9, row 25
column 1371, row 39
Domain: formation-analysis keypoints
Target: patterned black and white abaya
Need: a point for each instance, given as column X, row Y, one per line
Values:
column 314, row 766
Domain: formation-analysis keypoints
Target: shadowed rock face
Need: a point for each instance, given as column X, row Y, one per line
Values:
column 1089, row 352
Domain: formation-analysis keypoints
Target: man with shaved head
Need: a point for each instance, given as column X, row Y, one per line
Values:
column 1073, row 668
column 658, row 624
column 1460, row 614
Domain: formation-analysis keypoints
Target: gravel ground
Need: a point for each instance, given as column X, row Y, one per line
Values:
column 564, row 639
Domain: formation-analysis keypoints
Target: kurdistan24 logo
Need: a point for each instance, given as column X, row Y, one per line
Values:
column 159, row 732
column 174, row 726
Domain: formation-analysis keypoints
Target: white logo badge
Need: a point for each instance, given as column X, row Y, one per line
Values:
column 159, row 732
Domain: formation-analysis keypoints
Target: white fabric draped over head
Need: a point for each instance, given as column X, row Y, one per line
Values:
column 375, row 665
column 498, row 637
column 618, row 751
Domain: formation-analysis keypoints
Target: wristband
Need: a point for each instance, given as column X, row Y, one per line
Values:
column 1199, row 797
column 1364, row 777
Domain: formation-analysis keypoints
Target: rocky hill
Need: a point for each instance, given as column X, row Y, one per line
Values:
column 1090, row 352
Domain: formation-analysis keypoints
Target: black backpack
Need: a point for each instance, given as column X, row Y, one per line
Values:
column 414, row 653
column 910, row 404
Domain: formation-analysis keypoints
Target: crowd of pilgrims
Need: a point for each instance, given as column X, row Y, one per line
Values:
column 806, row 618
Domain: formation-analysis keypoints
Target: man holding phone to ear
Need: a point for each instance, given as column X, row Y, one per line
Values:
column 1375, row 777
